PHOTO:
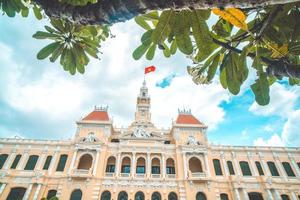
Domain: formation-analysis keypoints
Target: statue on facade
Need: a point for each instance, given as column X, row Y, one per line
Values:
column 139, row 132
column 192, row 140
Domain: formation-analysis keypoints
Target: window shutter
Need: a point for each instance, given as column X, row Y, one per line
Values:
column 47, row 163
column 30, row 165
column 259, row 168
column 230, row 167
column 16, row 162
column 288, row 169
column 3, row 158
column 61, row 163
column 273, row 168
column 217, row 167
column 245, row 168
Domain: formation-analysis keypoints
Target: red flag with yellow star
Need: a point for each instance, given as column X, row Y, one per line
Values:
column 149, row 69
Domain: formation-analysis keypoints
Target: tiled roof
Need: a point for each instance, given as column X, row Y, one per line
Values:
column 187, row 119
column 97, row 115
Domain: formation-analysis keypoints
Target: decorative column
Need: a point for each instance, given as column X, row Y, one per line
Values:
column 224, row 163
column 294, row 197
column 277, row 196
column 95, row 167
column 235, row 163
column 264, row 165
column 185, row 164
column 118, row 167
column 133, row 164
column 27, row 193
column 269, row 195
column 37, row 191
column 279, row 164
column 294, row 164
column 163, row 165
column 148, row 165
column 2, row 188
column 41, row 160
column 245, row 194
column 252, row 164
column 206, row 164
column 51, row 168
column 23, row 160
column 73, row 161
column 10, row 159
column 237, row 194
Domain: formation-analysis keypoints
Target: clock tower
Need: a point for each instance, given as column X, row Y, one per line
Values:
column 142, row 113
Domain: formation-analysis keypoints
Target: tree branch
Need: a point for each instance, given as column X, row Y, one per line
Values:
column 114, row 11
column 278, row 68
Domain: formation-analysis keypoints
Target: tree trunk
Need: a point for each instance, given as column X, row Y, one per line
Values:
column 114, row 11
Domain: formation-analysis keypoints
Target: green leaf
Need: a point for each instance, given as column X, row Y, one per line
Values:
column 294, row 81
column 182, row 32
column 202, row 36
column 261, row 90
column 46, row 51
column 140, row 51
column 25, row 12
column 37, row 13
column 166, row 51
column 173, row 47
column 45, row 35
column 213, row 68
column 151, row 52
column 163, row 28
column 57, row 52
column 146, row 37
column 141, row 21
column 223, row 79
column 236, row 72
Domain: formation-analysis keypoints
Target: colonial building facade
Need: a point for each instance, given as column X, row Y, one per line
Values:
column 142, row 162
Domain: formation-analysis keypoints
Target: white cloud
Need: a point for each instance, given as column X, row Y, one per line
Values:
column 245, row 135
column 275, row 140
column 282, row 102
column 268, row 128
column 290, row 133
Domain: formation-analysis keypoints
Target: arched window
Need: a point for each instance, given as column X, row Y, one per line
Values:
column 140, row 165
column 259, row 168
column 123, row 196
column 195, row 165
column 139, row 196
column 230, row 167
column 155, row 166
column 224, row 196
column 47, row 163
column 125, row 165
column 170, row 168
column 76, row 195
column 217, row 167
column 288, row 169
column 106, row 195
column 3, row 158
column 51, row 193
column 273, row 168
column 172, row 196
column 255, row 196
column 16, row 193
column 285, row 197
column 200, row 196
column 16, row 161
column 245, row 168
column 111, row 165
column 85, row 162
column 156, row 196
column 32, row 160
column 62, row 163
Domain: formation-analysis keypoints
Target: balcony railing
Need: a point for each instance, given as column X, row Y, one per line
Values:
column 197, row 175
column 125, row 174
column 83, row 173
column 140, row 175
column 109, row 174
column 155, row 175
column 171, row 175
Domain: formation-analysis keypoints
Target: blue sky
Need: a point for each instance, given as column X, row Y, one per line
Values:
column 39, row 100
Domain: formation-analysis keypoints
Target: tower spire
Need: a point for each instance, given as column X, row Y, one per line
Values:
column 143, row 104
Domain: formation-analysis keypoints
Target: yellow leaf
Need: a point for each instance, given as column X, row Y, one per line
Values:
column 278, row 52
column 233, row 15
